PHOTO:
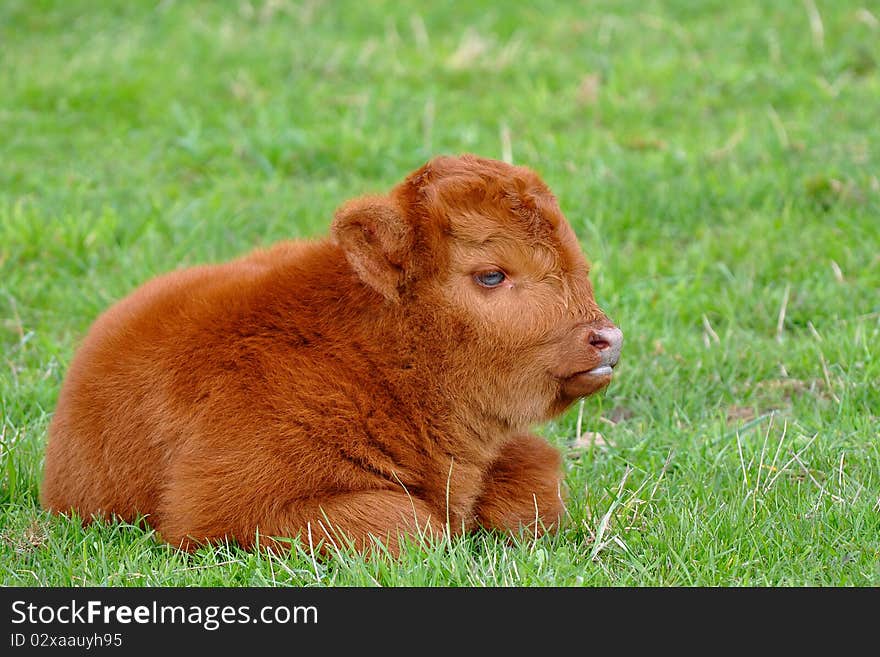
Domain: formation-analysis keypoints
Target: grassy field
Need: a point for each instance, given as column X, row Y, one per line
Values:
column 719, row 161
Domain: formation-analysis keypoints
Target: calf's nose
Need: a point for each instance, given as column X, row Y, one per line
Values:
column 607, row 341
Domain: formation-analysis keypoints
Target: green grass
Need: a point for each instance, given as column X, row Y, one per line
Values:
column 718, row 160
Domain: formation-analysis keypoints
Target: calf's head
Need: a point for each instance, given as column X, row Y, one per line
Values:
column 478, row 255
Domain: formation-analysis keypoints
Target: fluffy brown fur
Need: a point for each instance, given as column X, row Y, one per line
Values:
column 353, row 388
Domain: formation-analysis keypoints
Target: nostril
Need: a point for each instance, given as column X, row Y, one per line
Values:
column 607, row 341
column 599, row 342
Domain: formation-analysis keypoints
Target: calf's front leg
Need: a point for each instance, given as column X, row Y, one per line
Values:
column 523, row 488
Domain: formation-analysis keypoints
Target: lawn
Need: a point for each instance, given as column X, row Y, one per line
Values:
column 719, row 161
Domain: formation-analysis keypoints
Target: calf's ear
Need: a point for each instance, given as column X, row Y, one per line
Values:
column 377, row 241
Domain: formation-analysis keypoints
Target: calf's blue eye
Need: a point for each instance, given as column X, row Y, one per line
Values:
column 490, row 278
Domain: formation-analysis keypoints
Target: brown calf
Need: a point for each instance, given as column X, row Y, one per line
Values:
column 378, row 382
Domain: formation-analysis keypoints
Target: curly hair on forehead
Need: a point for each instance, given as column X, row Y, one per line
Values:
column 446, row 188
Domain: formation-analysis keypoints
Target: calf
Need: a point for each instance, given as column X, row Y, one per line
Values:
column 371, row 385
